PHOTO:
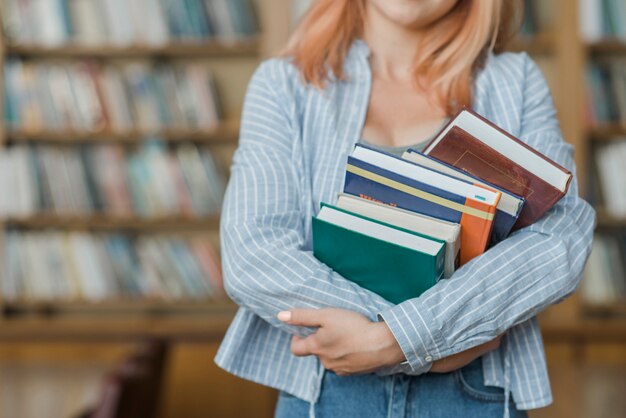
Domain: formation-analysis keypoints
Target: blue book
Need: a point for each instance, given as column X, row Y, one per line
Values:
column 508, row 209
column 383, row 177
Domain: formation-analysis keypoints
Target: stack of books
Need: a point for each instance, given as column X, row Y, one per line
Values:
column 85, row 96
column 150, row 181
column 90, row 267
column 402, row 224
column 122, row 23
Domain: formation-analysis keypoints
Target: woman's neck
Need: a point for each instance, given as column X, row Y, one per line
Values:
column 392, row 46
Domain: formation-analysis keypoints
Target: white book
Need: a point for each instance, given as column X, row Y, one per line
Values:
column 85, row 259
column 379, row 231
column 508, row 203
column 25, row 194
column 49, row 15
column 610, row 165
column 219, row 16
column 167, row 276
column 513, row 150
column 88, row 22
column 116, row 99
column 119, row 22
column 196, row 178
column 150, row 22
column 12, row 22
column 7, row 185
column 426, row 176
column 206, row 110
column 161, row 181
column 12, row 272
column 89, row 107
column 449, row 232
column 62, row 96
column 150, row 283
column 81, row 198
column 53, row 262
column 590, row 20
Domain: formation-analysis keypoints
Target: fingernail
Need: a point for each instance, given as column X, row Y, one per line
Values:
column 284, row 316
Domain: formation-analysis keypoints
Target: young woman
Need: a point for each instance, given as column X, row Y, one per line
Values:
column 389, row 73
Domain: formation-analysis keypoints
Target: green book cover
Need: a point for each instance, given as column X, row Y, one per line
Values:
column 394, row 272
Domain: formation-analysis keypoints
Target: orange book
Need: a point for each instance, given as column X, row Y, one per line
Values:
column 394, row 181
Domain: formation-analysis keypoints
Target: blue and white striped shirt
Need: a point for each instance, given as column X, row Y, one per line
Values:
column 292, row 154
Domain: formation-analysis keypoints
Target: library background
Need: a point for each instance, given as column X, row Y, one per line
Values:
column 120, row 120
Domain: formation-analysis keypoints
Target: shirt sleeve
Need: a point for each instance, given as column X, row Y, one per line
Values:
column 535, row 267
column 266, row 269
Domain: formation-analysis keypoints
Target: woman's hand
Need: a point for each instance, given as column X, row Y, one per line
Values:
column 348, row 343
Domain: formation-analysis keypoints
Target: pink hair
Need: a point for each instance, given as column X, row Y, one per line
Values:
column 456, row 45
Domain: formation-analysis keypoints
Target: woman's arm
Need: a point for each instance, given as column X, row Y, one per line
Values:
column 262, row 224
column 535, row 267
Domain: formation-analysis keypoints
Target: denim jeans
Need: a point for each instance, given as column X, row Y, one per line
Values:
column 460, row 394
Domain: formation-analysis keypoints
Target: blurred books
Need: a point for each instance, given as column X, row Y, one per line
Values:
column 149, row 181
column 605, row 279
column 85, row 96
column 79, row 266
column 606, row 98
column 122, row 23
column 602, row 19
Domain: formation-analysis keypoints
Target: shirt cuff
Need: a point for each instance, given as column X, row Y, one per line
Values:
column 416, row 334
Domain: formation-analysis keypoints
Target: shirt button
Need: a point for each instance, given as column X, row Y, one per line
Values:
column 428, row 358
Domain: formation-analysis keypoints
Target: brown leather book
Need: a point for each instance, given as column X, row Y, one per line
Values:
column 474, row 144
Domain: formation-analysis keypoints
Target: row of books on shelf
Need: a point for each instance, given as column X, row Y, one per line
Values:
column 85, row 96
column 602, row 19
column 53, row 23
column 604, row 280
column 606, row 182
column 403, row 223
column 606, row 91
column 537, row 16
column 77, row 266
column 148, row 181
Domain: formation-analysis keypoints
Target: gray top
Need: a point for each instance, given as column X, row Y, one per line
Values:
column 398, row 151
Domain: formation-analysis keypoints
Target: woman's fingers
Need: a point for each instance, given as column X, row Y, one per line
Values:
column 302, row 317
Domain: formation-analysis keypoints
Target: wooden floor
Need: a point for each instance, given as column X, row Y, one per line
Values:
column 588, row 381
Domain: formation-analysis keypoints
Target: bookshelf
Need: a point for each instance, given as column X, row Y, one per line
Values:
column 605, row 56
column 246, row 48
column 192, row 327
column 231, row 61
column 558, row 48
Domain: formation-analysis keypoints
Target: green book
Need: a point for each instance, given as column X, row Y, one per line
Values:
column 393, row 262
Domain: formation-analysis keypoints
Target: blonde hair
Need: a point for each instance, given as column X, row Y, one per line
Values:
column 455, row 46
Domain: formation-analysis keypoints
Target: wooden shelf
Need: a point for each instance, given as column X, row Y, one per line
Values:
column 103, row 222
column 539, row 44
column 116, row 307
column 617, row 309
column 609, row 46
column 209, row 48
column 607, row 132
column 227, row 131
column 585, row 330
column 606, row 220
column 202, row 327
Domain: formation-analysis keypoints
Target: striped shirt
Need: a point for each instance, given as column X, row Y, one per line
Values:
column 292, row 155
